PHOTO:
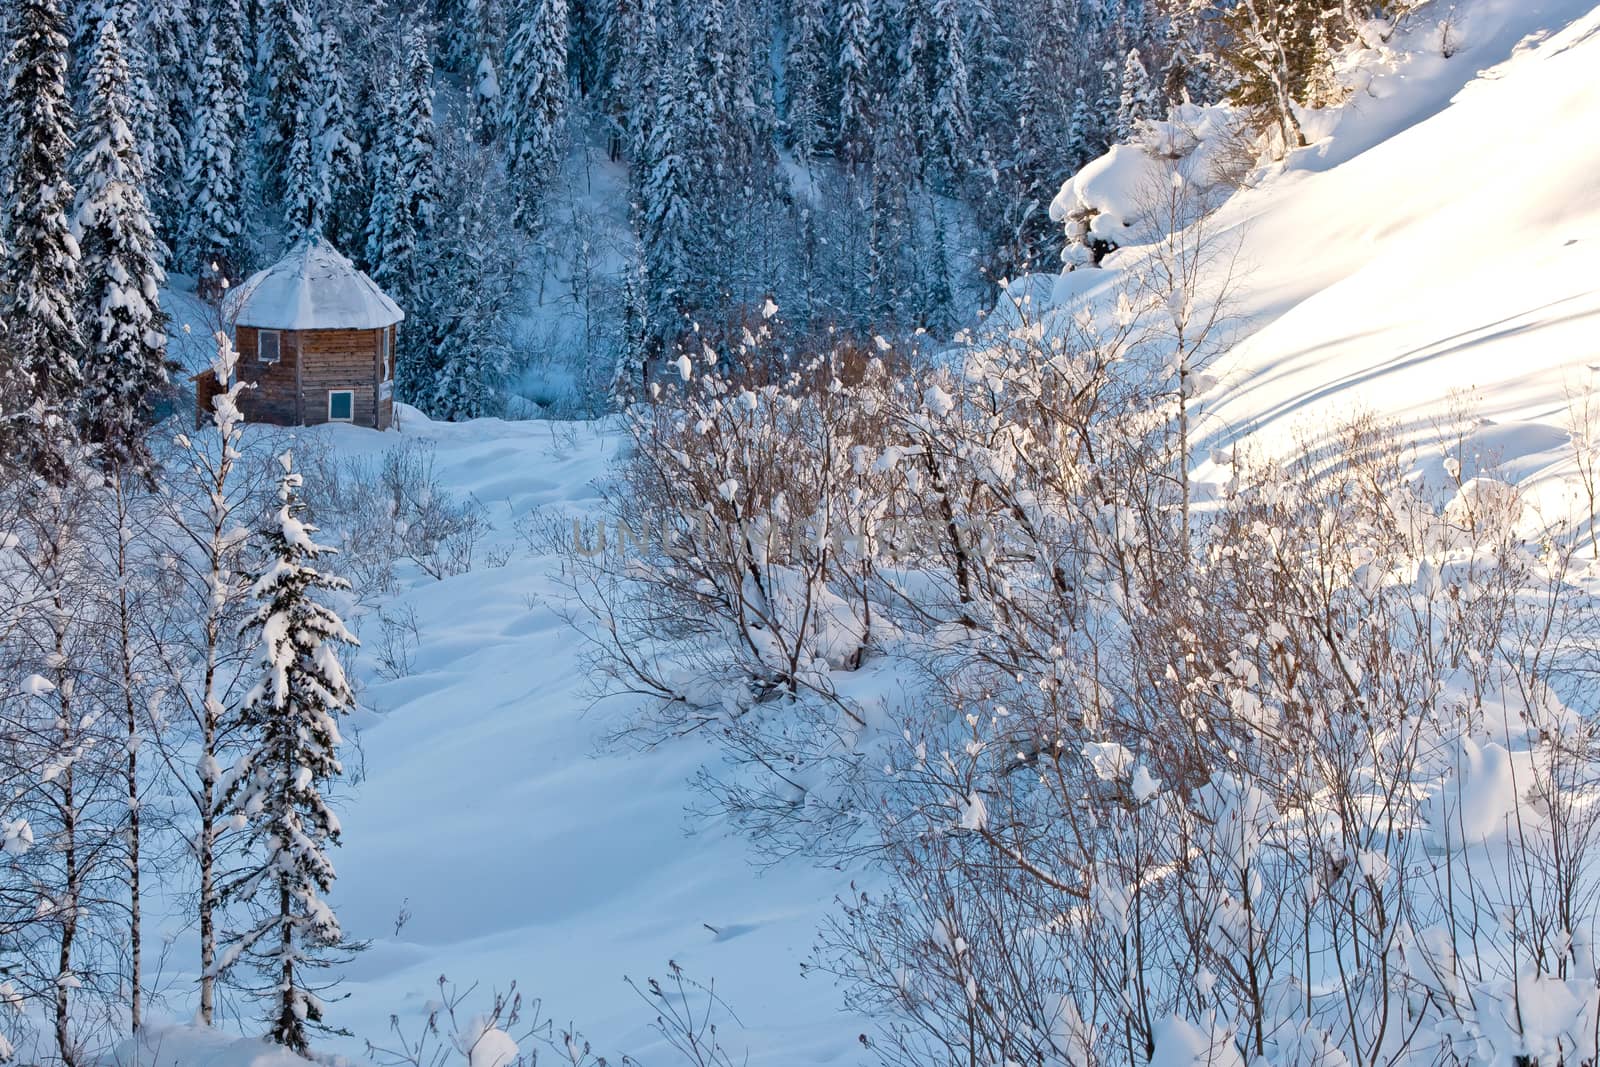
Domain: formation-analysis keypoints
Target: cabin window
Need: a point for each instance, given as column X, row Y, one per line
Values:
column 267, row 346
column 341, row 405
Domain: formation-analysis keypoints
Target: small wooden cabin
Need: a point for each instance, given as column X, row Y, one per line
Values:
column 315, row 338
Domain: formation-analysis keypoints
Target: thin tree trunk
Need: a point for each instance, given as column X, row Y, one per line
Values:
column 125, row 624
column 206, row 840
column 289, row 1027
column 205, row 847
column 1183, row 453
column 68, row 906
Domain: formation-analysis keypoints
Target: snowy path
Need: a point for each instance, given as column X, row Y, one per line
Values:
column 520, row 847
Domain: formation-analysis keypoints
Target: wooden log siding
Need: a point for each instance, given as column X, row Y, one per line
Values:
column 311, row 364
column 274, row 398
column 339, row 360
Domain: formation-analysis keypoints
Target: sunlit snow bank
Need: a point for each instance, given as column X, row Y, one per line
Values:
column 194, row 1046
column 1442, row 235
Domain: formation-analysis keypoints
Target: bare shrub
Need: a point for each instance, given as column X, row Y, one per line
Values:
column 392, row 509
column 399, row 637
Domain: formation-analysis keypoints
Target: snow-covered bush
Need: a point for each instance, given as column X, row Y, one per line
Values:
column 392, row 509
column 1316, row 795
column 690, row 1017
column 1121, row 198
column 1292, row 773
column 736, row 572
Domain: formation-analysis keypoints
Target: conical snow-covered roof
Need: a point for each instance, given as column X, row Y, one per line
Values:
column 312, row 287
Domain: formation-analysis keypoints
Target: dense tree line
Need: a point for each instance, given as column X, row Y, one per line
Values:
column 873, row 166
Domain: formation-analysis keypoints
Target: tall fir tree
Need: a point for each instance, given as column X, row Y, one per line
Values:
column 486, row 25
column 633, row 354
column 1139, row 101
column 951, row 130
column 125, row 364
column 40, row 281
column 664, row 207
column 286, row 64
column 536, row 104
column 634, row 84
column 458, row 357
column 404, row 202
column 383, row 208
column 858, row 44
column 806, row 70
column 214, row 222
column 417, row 146
column 305, row 190
column 159, row 57
column 291, row 717
column 336, row 151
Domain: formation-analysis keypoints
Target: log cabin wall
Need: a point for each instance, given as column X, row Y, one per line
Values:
column 311, row 363
column 276, row 396
column 339, row 360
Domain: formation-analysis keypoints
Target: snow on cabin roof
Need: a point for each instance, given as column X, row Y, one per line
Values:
column 312, row 287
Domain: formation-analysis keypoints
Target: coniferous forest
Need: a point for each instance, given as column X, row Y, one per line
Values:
column 873, row 167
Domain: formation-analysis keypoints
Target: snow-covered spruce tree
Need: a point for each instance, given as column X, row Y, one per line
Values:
column 214, row 224
column 291, row 718
column 806, row 69
column 383, row 206
column 1085, row 132
column 416, row 147
column 404, row 203
column 633, row 354
column 951, row 133
column 335, row 144
column 634, row 77
column 125, row 363
column 664, row 208
column 487, row 29
column 159, row 52
column 1140, row 101
column 458, row 353
column 285, row 60
column 1190, row 70
column 858, row 44
column 305, row 194
column 535, row 104
column 39, row 276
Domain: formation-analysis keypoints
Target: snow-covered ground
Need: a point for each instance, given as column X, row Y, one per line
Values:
column 1442, row 235
column 520, row 847
column 488, row 812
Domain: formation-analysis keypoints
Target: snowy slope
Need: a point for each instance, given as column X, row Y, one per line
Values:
column 1442, row 234
column 1445, row 237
